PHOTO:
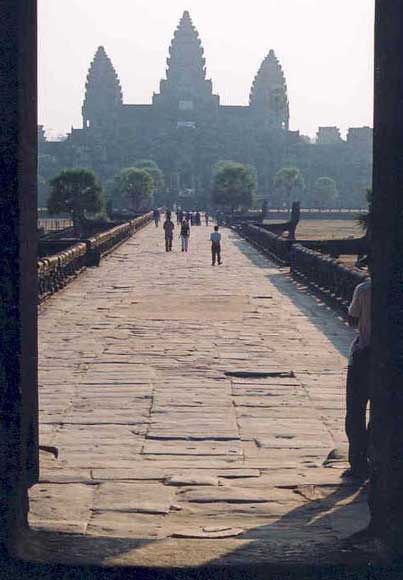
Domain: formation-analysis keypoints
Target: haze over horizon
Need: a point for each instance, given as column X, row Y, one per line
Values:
column 326, row 51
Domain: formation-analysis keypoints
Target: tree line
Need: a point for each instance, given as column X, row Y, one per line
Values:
column 79, row 193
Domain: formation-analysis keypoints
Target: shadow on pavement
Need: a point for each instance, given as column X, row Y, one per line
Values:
column 302, row 297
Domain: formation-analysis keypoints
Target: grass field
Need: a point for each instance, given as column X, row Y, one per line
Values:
column 329, row 230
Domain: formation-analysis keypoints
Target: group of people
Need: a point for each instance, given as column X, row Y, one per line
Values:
column 185, row 220
column 192, row 217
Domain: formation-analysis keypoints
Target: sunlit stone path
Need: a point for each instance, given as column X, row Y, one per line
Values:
column 158, row 445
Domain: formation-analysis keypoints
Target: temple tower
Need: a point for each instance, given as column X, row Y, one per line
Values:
column 186, row 85
column 268, row 95
column 103, row 94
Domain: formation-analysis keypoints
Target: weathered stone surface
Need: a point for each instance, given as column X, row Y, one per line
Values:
column 132, row 400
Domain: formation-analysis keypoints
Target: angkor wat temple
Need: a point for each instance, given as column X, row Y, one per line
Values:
column 186, row 130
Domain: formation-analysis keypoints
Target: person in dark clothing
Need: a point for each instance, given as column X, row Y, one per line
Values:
column 169, row 233
column 206, row 217
column 215, row 238
column 156, row 217
column 198, row 218
column 180, row 216
column 185, row 235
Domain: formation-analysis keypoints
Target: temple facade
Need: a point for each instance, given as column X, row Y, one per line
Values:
column 186, row 130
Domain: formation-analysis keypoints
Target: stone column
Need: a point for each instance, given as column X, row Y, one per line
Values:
column 387, row 395
column 18, row 250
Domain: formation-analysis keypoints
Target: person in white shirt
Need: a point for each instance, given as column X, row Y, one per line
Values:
column 358, row 382
column 215, row 238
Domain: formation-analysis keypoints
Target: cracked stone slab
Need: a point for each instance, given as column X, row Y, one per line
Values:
column 61, row 506
column 123, row 524
column 197, row 448
column 234, row 495
column 134, row 498
column 209, row 533
column 192, row 480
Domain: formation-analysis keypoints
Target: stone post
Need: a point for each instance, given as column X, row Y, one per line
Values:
column 387, row 298
column 18, row 250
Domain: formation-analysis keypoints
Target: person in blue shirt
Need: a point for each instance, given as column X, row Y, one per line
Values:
column 215, row 238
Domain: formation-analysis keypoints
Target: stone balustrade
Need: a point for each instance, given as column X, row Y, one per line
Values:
column 333, row 280
column 55, row 271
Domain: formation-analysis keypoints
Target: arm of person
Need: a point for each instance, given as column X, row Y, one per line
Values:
column 354, row 311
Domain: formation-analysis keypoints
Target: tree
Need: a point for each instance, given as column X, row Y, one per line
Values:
column 155, row 172
column 287, row 180
column 137, row 185
column 325, row 192
column 234, row 185
column 75, row 191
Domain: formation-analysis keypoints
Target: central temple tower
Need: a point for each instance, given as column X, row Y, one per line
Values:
column 186, row 87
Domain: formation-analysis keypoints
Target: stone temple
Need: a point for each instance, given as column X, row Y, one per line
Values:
column 186, row 130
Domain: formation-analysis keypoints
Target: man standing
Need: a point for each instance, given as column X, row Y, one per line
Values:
column 169, row 233
column 358, row 382
column 215, row 238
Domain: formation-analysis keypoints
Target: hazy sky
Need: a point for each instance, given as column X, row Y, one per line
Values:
column 324, row 46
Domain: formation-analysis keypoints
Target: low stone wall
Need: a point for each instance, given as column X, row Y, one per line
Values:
column 55, row 271
column 276, row 247
column 336, row 282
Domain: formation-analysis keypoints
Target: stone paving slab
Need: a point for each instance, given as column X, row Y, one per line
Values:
column 141, row 391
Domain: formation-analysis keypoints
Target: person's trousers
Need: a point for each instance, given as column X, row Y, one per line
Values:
column 216, row 253
column 168, row 243
column 185, row 243
column 358, row 389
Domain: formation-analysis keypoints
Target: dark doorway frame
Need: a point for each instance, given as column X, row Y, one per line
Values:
column 18, row 237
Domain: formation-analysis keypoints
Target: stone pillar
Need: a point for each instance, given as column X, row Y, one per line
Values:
column 387, row 395
column 18, row 250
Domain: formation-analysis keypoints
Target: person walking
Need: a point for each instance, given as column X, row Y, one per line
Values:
column 206, row 217
column 156, row 217
column 198, row 218
column 215, row 238
column 185, row 235
column 358, row 382
column 169, row 233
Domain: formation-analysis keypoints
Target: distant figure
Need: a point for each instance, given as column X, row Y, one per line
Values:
column 188, row 217
column 192, row 219
column 206, row 217
column 169, row 233
column 168, row 214
column 358, row 381
column 185, row 235
column 180, row 216
column 156, row 217
column 215, row 238
column 198, row 218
